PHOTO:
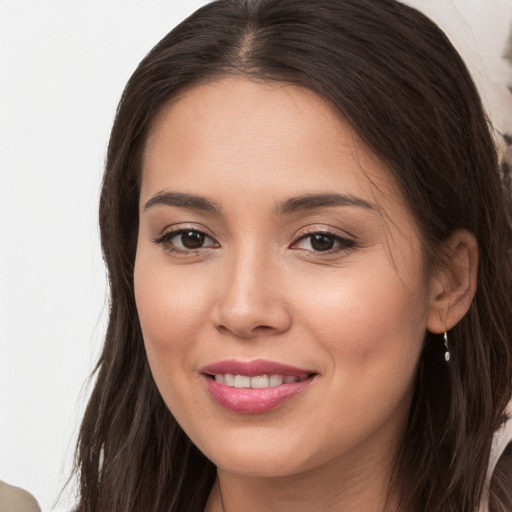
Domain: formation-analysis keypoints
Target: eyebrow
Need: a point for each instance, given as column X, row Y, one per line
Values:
column 295, row 204
column 313, row 201
column 181, row 200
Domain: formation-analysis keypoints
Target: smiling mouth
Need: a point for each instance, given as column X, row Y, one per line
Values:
column 255, row 394
column 257, row 386
column 258, row 381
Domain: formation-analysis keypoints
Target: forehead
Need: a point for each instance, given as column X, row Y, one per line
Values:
column 245, row 137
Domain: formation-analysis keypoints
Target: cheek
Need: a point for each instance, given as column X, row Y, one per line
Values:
column 368, row 322
column 372, row 330
column 170, row 310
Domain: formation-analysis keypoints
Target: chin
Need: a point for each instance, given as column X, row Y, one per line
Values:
column 260, row 454
column 259, row 465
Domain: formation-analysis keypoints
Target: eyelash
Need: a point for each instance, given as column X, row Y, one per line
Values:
column 166, row 240
column 344, row 244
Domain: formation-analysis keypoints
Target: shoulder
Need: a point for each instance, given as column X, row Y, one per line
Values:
column 15, row 499
column 497, row 494
column 502, row 438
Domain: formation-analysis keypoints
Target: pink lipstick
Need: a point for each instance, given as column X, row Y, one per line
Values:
column 254, row 387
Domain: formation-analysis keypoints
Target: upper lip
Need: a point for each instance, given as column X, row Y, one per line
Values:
column 253, row 368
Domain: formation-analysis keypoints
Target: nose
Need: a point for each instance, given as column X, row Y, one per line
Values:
column 251, row 299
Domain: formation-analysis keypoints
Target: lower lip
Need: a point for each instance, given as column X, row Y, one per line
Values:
column 254, row 401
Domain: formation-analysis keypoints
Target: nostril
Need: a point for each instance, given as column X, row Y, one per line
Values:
column 245, row 333
column 245, row 321
column 262, row 328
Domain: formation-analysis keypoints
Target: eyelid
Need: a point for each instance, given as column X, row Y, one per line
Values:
column 327, row 229
column 346, row 241
column 172, row 231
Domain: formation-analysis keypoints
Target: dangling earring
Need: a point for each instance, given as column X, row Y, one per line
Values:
column 447, row 353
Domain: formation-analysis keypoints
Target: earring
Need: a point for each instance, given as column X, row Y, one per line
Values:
column 447, row 353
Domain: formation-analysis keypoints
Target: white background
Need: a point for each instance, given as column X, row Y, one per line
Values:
column 63, row 65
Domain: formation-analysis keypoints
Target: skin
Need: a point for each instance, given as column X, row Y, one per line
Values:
column 258, row 289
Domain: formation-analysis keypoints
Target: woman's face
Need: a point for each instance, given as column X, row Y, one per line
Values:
column 276, row 254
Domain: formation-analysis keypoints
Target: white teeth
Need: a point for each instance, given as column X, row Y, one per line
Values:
column 276, row 380
column 258, row 382
column 242, row 381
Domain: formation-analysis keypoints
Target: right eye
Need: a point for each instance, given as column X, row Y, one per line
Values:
column 185, row 240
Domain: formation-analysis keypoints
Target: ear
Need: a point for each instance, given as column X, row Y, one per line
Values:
column 453, row 286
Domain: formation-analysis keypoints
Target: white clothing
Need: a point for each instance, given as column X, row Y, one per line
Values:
column 502, row 438
column 14, row 499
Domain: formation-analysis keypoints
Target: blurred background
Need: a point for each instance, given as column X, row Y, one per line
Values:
column 63, row 66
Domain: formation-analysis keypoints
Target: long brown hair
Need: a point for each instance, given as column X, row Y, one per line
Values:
column 395, row 77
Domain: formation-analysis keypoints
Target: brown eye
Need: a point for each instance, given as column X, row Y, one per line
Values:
column 183, row 240
column 322, row 242
column 192, row 239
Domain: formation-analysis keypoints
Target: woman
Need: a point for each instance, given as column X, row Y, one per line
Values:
column 308, row 247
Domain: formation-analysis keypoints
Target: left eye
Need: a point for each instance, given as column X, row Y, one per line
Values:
column 186, row 239
column 322, row 242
